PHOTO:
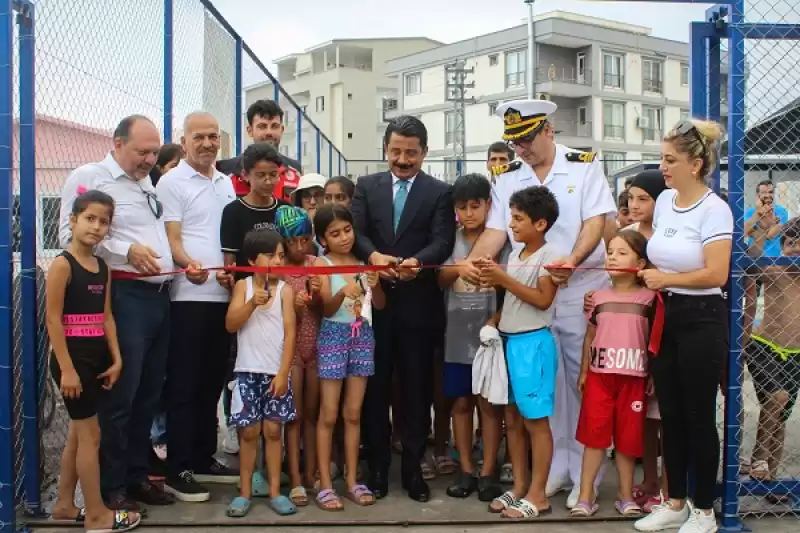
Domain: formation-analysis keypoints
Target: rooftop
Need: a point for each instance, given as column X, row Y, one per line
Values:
column 354, row 42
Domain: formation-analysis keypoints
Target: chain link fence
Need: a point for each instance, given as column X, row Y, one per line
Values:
column 766, row 204
column 94, row 63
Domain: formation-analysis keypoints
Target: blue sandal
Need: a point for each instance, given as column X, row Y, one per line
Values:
column 239, row 507
column 282, row 505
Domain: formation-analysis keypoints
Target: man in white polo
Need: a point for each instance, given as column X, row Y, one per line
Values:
column 194, row 194
column 585, row 203
column 137, row 243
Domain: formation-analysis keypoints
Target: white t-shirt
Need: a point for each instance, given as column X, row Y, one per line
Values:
column 517, row 315
column 197, row 203
column 681, row 234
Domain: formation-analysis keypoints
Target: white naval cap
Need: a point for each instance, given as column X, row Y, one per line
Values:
column 523, row 117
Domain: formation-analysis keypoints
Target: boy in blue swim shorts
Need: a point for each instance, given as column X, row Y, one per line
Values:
column 530, row 348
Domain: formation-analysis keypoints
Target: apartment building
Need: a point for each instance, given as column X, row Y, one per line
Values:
column 343, row 87
column 617, row 87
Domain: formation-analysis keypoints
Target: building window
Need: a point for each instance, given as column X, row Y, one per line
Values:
column 414, row 83
column 516, row 68
column 493, row 60
column 612, row 162
column 47, row 220
column 492, row 108
column 651, row 157
column 613, row 70
column 652, row 78
column 450, row 127
column 652, row 123
column 685, row 114
column 613, row 120
column 320, row 104
column 684, row 74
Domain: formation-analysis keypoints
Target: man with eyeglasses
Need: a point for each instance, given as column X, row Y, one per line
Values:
column 585, row 204
column 136, row 243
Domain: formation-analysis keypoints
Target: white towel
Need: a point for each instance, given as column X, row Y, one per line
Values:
column 489, row 374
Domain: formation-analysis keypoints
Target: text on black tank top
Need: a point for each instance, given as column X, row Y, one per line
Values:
column 85, row 299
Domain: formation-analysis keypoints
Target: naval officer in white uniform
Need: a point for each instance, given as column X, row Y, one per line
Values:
column 585, row 204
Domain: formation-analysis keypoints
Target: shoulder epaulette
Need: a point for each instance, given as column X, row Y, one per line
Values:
column 502, row 169
column 581, row 157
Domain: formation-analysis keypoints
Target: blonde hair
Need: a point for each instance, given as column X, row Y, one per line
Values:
column 699, row 142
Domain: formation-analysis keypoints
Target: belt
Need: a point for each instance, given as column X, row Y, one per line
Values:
column 138, row 283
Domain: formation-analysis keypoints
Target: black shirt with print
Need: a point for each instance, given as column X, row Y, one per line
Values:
column 239, row 218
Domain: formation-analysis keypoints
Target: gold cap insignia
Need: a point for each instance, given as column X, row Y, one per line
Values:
column 512, row 117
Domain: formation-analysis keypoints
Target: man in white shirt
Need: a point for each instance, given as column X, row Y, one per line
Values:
column 138, row 243
column 194, row 194
column 585, row 204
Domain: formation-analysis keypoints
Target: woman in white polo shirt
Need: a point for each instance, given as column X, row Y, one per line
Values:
column 690, row 250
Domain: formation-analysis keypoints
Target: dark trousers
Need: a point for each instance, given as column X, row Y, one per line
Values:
column 142, row 314
column 196, row 372
column 687, row 374
column 410, row 353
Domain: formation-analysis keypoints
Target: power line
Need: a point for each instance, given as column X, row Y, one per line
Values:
column 456, row 87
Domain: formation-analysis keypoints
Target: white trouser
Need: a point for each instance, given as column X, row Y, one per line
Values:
column 569, row 329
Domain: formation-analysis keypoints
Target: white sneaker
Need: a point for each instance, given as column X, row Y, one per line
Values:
column 554, row 486
column 699, row 522
column 230, row 444
column 663, row 517
column 574, row 496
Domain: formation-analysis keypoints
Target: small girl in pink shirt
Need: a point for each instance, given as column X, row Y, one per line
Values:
column 614, row 373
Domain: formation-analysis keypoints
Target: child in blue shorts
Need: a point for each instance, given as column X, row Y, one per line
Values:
column 468, row 309
column 530, row 348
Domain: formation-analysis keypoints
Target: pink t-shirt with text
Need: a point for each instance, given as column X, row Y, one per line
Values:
column 623, row 329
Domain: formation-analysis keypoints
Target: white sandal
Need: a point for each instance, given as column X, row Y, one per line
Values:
column 526, row 510
column 507, row 499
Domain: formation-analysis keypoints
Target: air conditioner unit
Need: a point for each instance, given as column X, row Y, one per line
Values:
column 643, row 123
column 542, row 96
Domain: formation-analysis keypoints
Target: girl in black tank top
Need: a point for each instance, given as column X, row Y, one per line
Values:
column 86, row 357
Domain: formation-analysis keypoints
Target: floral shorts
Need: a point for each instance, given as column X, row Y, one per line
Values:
column 252, row 403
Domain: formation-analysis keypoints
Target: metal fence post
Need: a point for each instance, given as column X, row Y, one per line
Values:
column 340, row 162
column 27, row 220
column 330, row 159
column 237, row 128
column 736, row 177
column 7, row 488
column 299, row 136
column 319, row 152
column 168, row 69
column 276, row 91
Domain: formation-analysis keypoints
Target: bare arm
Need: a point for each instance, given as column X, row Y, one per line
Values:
column 229, row 258
column 58, row 277
column 489, row 244
column 330, row 303
column 239, row 310
column 610, row 230
column 541, row 296
column 289, row 329
column 179, row 255
column 588, row 339
column 110, row 325
column 588, row 239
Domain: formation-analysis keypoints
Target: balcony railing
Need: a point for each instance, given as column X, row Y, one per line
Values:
column 616, row 81
column 572, row 128
column 653, row 85
column 611, row 131
column 554, row 73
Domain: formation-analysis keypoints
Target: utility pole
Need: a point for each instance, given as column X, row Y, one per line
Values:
column 531, row 53
column 456, row 86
